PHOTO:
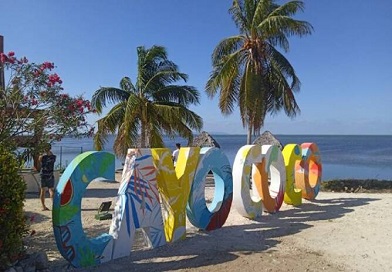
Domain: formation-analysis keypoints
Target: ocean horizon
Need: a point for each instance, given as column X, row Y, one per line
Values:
column 342, row 156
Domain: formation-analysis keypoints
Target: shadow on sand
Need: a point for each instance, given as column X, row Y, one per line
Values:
column 219, row 246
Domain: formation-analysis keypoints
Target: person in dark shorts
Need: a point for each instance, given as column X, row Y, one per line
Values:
column 47, row 178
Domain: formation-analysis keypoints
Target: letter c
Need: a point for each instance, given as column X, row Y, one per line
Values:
column 71, row 240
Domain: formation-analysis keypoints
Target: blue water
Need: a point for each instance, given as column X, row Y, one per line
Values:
column 353, row 156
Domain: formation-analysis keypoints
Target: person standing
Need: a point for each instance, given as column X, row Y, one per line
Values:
column 46, row 164
column 175, row 154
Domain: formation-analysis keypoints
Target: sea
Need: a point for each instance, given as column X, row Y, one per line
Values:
column 342, row 156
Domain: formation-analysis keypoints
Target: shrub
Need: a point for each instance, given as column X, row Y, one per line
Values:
column 12, row 218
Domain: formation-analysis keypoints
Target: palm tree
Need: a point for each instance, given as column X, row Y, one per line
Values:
column 249, row 71
column 152, row 107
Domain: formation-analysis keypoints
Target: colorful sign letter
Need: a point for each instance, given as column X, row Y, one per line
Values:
column 174, row 186
column 272, row 164
column 242, row 168
column 214, row 216
column 308, row 171
column 137, row 204
column 292, row 154
column 71, row 240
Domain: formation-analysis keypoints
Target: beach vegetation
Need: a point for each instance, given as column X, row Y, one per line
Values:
column 357, row 186
column 35, row 110
column 12, row 217
column 248, row 69
column 148, row 108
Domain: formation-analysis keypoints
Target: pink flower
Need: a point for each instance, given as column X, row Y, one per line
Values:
column 54, row 78
column 3, row 57
column 47, row 65
column 11, row 53
column 79, row 102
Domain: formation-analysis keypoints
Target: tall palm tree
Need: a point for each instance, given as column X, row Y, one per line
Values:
column 152, row 107
column 249, row 71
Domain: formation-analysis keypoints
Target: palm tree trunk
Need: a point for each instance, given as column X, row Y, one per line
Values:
column 143, row 135
column 249, row 135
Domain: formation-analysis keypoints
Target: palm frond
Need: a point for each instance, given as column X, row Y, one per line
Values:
column 182, row 94
column 126, row 138
column 277, row 25
column 126, row 85
column 237, row 13
column 282, row 64
column 108, row 125
column 225, row 73
column 105, row 95
column 288, row 9
column 226, row 47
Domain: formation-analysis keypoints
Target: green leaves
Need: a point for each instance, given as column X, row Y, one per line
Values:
column 248, row 70
column 154, row 106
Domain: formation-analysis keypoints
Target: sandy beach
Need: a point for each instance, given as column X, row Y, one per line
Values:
column 336, row 232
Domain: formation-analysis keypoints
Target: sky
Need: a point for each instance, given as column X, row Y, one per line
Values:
column 345, row 66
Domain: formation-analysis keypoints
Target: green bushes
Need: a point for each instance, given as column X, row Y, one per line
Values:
column 12, row 218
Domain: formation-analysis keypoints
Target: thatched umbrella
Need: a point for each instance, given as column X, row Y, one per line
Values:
column 205, row 140
column 267, row 138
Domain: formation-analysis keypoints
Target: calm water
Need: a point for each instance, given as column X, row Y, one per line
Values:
column 353, row 156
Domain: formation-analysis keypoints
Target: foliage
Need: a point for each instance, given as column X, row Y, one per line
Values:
column 249, row 71
column 33, row 108
column 357, row 185
column 152, row 107
column 12, row 218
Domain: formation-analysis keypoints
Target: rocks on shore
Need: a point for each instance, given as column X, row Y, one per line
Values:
column 357, row 186
column 32, row 262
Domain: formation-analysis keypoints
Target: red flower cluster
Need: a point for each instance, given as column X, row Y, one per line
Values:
column 53, row 79
column 11, row 59
column 41, row 89
column 7, row 58
column 47, row 65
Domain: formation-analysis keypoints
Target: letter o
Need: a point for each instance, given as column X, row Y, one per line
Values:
column 272, row 163
column 308, row 171
column 246, row 205
column 214, row 216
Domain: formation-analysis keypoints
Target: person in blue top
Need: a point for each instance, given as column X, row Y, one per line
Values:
column 46, row 163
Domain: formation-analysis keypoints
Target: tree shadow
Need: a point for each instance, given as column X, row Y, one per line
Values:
column 100, row 193
column 228, row 243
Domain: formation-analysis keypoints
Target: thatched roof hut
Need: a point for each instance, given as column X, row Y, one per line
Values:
column 205, row 140
column 267, row 138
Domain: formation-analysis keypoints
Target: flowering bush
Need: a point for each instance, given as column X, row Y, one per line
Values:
column 32, row 104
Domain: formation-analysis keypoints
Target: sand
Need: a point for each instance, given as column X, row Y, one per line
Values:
column 336, row 232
